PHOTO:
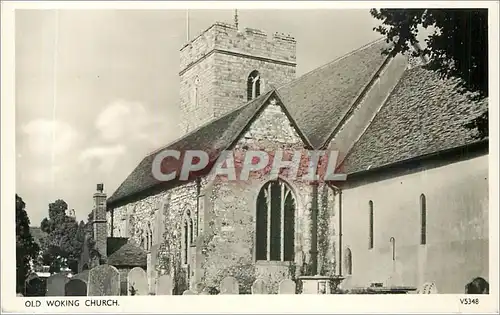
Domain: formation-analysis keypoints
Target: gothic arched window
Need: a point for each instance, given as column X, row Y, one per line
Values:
column 253, row 85
column 275, row 221
column 423, row 220
column 150, row 236
column 348, row 262
column 185, row 243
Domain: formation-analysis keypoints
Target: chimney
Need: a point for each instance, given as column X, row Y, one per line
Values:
column 99, row 223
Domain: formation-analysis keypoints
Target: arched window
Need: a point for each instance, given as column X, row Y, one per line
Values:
column 275, row 221
column 370, row 232
column 195, row 91
column 191, row 231
column 253, row 85
column 423, row 220
column 348, row 262
column 186, row 244
column 150, row 238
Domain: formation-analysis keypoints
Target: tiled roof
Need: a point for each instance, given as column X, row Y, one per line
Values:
column 128, row 255
column 423, row 115
column 212, row 137
column 114, row 244
column 318, row 100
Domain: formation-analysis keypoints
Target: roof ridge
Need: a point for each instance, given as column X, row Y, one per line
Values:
column 207, row 123
column 352, row 52
column 384, row 104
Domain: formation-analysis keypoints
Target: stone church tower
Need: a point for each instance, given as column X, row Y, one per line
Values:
column 223, row 68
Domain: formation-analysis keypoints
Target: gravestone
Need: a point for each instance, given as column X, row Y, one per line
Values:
column 56, row 284
column 76, row 287
column 259, row 286
column 188, row 292
column 137, row 282
column 104, row 280
column 287, row 286
column 198, row 287
column 229, row 285
column 164, row 285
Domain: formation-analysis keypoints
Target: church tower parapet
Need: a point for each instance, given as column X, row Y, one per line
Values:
column 224, row 67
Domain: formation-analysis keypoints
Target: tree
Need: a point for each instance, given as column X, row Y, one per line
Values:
column 457, row 48
column 26, row 248
column 63, row 245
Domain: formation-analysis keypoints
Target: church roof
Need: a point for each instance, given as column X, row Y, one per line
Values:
column 114, row 244
column 128, row 255
column 320, row 99
column 422, row 115
column 212, row 138
column 319, row 102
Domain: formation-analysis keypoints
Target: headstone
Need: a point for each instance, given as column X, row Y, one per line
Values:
column 287, row 286
column 188, row 292
column 198, row 287
column 259, row 287
column 104, row 280
column 76, row 287
column 137, row 282
column 229, row 285
column 55, row 285
column 164, row 285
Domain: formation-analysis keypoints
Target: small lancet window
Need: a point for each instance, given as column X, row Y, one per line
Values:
column 253, row 85
column 423, row 220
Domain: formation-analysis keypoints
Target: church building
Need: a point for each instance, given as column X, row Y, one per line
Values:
column 414, row 206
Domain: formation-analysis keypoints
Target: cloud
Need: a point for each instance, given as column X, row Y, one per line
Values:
column 49, row 136
column 127, row 121
column 44, row 175
column 105, row 157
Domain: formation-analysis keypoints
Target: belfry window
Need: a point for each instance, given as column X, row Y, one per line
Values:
column 275, row 221
column 253, row 85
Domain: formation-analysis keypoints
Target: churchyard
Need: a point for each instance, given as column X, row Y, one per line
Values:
column 105, row 280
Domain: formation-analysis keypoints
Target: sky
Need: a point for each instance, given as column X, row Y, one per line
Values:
column 97, row 90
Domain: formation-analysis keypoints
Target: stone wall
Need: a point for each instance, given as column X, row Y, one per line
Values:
column 226, row 235
column 220, row 60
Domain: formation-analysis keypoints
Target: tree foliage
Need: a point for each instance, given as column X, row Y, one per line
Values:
column 457, row 48
column 26, row 248
column 63, row 245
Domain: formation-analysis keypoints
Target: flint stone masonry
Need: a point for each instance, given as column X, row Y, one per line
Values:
column 215, row 67
column 226, row 233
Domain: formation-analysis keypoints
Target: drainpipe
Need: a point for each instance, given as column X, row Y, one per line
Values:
column 314, row 230
column 338, row 191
